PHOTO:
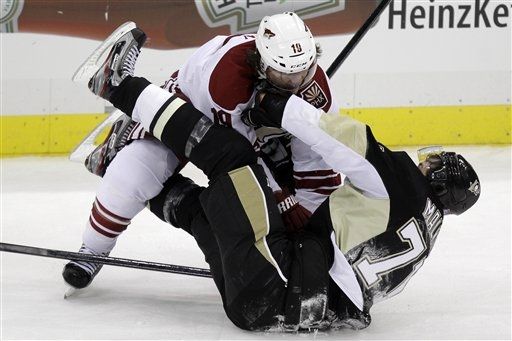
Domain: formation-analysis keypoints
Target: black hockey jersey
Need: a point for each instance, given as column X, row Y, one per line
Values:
column 382, row 222
column 386, row 262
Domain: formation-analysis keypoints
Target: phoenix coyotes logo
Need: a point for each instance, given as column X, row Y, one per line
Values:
column 268, row 33
column 314, row 95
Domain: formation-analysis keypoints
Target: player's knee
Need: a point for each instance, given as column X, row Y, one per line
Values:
column 178, row 202
column 238, row 153
column 222, row 150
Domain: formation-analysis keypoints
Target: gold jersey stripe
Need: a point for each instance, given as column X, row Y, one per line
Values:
column 253, row 201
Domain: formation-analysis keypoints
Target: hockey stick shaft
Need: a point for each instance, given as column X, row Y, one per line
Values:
column 356, row 38
column 127, row 263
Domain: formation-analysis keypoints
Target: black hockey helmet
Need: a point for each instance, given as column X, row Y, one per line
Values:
column 452, row 178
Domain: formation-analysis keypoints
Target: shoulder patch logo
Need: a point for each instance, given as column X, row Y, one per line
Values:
column 314, row 95
column 245, row 16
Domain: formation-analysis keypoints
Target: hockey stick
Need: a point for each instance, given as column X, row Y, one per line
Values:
column 127, row 263
column 356, row 38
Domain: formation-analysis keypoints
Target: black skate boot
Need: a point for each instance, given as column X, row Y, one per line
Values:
column 80, row 274
column 119, row 63
column 123, row 131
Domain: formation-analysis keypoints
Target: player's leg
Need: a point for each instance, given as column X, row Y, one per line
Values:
column 134, row 176
column 254, row 293
column 270, row 279
column 178, row 204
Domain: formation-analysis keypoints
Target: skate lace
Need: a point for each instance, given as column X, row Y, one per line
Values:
column 91, row 268
column 131, row 59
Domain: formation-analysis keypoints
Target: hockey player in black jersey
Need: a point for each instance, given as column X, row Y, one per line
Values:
column 375, row 242
column 381, row 232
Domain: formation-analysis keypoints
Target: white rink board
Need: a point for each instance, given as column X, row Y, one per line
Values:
column 477, row 61
column 438, row 89
column 462, row 291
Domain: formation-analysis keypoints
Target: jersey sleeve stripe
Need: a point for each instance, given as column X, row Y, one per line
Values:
column 317, row 183
column 318, row 172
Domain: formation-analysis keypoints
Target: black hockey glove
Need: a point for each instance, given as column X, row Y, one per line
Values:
column 276, row 154
column 268, row 109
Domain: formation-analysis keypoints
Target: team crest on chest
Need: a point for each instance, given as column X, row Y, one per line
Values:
column 314, row 95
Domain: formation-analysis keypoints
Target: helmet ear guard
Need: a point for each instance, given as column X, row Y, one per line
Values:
column 453, row 179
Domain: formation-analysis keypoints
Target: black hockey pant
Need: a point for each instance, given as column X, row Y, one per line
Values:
column 239, row 207
column 252, row 299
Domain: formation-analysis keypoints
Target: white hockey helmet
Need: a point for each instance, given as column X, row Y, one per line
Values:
column 287, row 49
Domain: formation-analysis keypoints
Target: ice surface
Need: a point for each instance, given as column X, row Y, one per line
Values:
column 462, row 291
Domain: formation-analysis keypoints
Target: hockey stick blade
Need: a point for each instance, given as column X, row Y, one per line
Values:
column 358, row 36
column 90, row 65
column 123, row 262
column 84, row 148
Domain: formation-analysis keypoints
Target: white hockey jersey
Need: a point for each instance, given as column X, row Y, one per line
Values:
column 219, row 82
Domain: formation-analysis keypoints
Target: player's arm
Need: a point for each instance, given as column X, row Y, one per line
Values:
column 304, row 121
column 276, row 157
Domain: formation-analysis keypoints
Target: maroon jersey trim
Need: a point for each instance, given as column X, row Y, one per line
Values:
column 233, row 80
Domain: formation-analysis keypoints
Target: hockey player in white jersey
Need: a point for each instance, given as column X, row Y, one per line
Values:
column 220, row 79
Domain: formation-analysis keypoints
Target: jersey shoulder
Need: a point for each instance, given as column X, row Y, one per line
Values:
column 232, row 80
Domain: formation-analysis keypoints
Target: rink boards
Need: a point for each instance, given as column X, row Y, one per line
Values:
column 414, row 84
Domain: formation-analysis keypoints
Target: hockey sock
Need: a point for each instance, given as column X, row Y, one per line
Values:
column 126, row 94
column 103, row 228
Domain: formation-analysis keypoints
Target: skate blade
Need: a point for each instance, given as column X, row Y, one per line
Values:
column 71, row 291
column 80, row 153
column 90, row 65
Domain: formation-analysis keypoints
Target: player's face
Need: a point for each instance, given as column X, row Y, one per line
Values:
column 290, row 82
column 428, row 157
column 432, row 163
column 424, row 167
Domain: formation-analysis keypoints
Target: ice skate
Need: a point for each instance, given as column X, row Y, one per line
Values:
column 79, row 274
column 91, row 64
column 88, row 145
column 125, row 44
column 119, row 63
column 120, row 133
